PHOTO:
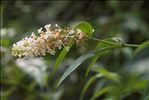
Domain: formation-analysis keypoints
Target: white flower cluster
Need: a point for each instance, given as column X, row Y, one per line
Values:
column 49, row 39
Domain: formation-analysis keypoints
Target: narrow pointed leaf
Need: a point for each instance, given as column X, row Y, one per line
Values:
column 109, row 75
column 80, row 60
column 89, row 82
column 100, row 92
column 94, row 61
column 60, row 58
column 74, row 65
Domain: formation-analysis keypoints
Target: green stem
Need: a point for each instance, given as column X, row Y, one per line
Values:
column 131, row 45
column 124, row 45
column 103, row 41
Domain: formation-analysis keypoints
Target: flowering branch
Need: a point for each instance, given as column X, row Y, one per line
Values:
column 48, row 41
column 51, row 38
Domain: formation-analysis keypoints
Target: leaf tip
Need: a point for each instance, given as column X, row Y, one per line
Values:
column 58, row 85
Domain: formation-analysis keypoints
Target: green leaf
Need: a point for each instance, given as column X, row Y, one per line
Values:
column 89, row 82
column 78, row 61
column 74, row 65
column 100, row 92
column 60, row 58
column 142, row 46
column 85, row 27
column 109, row 75
column 95, row 58
column 100, row 45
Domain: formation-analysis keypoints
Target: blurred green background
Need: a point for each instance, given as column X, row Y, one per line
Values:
column 29, row 79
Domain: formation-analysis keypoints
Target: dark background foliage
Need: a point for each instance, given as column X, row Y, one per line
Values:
column 109, row 18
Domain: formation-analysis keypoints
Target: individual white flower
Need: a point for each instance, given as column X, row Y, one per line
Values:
column 46, row 36
column 20, row 43
column 48, row 32
column 71, row 32
column 57, row 26
column 81, row 35
column 47, row 27
column 40, row 30
column 33, row 35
